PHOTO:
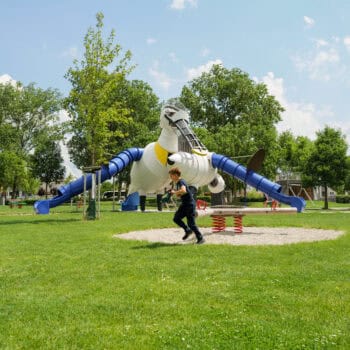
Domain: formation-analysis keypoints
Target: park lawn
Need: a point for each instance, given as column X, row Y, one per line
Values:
column 68, row 284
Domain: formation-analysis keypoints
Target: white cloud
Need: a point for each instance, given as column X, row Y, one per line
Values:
column 309, row 22
column 173, row 57
column 196, row 72
column 347, row 42
column 63, row 116
column 302, row 119
column 70, row 167
column 151, row 41
column 71, row 52
column 181, row 4
column 325, row 60
column 205, row 52
column 321, row 43
column 4, row 79
column 160, row 78
column 166, row 83
column 320, row 64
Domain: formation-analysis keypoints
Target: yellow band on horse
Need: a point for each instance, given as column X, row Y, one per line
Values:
column 161, row 153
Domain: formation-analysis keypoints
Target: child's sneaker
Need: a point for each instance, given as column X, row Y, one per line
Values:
column 200, row 240
column 187, row 234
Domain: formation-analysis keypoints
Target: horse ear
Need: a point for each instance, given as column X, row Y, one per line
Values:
column 256, row 160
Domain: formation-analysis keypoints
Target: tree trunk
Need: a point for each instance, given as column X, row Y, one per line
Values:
column 14, row 188
column 325, row 197
column 93, row 157
column 120, row 184
column 234, row 190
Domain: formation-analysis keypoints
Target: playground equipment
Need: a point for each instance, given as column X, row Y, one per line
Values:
column 219, row 216
column 150, row 173
column 90, row 212
column 74, row 188
column 150, row 167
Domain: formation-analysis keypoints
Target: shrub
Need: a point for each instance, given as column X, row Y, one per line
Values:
column 343, row 198
column 253, row 197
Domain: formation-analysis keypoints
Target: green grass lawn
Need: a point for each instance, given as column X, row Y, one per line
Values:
column 66, row 283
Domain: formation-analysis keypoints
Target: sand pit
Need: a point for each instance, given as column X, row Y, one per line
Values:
column 250, row 236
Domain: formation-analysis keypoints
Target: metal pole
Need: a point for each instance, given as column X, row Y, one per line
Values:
column 113, row 202
column 99, row 194
column 84, row 198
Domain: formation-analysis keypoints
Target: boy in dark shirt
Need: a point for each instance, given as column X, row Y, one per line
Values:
column 187, row 207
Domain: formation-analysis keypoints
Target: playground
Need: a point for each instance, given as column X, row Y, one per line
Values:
column 150, row 168
column 96, row 259
column 270, row 278
column 69, row 283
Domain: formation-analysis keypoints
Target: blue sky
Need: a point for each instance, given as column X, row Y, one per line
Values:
column 299, row 48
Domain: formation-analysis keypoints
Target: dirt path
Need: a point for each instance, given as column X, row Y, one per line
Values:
column 250, row 236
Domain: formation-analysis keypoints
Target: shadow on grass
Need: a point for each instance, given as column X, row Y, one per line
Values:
column 156, row 245
column 26, row 222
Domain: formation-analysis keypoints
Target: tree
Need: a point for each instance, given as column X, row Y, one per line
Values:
column 327, row 165
column 347, row 178
column 13, row 171
column 47, row 162
column 7, row 132
column 69, row 178
column 98, row 118
column 26, row 114
column 237, row 112
column 294, row 153
column 144, row 109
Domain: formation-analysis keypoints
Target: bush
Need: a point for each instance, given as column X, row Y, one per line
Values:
column 253, row 197
column 342, row 198
column 30, row 201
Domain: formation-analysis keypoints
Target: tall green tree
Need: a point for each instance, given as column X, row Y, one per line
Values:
column 327, row 164
column 13, row 172
column 26, row 114
column 144, row 109
column 294, row 153
column 238, row 114
column 97, row 117
column 7, row 131
column 347, row 178
column 47, row 162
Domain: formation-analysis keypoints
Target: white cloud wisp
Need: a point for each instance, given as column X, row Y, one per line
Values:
column 197, row 71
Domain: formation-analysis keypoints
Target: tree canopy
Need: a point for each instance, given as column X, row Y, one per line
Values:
column 97, row 117
column 294, row 153
column 47, row 162
column 234, row 115
column 27, row 114
column 327, row 164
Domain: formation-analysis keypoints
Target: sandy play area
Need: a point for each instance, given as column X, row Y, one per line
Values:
column 250, row 236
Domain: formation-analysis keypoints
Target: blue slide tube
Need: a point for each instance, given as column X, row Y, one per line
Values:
column 65, row 193
column 257, row 181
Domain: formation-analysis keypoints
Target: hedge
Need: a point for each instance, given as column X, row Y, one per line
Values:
column 342, row 198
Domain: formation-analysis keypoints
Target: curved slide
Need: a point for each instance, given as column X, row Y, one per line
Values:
column 65, row 193
column 257, row 181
